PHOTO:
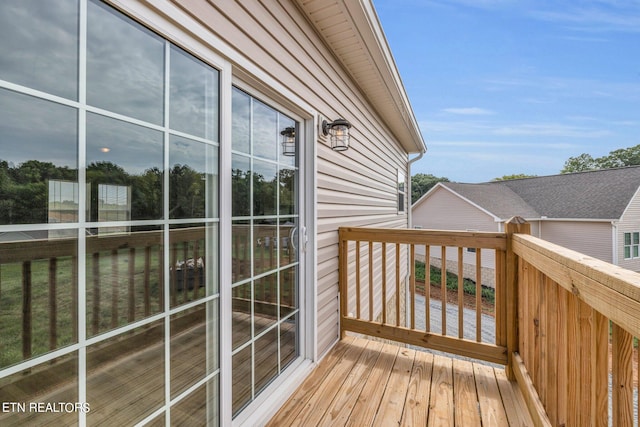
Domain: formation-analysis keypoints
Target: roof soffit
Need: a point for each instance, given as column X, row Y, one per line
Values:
column 353, row 32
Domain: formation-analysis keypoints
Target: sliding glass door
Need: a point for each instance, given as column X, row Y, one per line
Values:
column 265, row 254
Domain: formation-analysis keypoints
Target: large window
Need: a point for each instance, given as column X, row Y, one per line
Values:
column 109, row 219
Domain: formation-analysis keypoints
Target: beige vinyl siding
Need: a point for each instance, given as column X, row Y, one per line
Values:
column 629, row 223
column 444, row 210
column 356, row 187
column 590, row 238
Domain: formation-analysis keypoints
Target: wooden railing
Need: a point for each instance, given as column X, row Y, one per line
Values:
column 573, row 311
column 372, row 258
column 566, row 324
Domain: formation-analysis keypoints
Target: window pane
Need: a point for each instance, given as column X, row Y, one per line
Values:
column 265, row 136
column 193, row 96
column 288, row 289
column 264, row 188
column 241, row 121
column 193, row 179
column 627, row 238
column 192, row 272
column 627, row 252
column 635, row 252
column 124, row 276
column 125, row 65
column 240, row 251
column 265, row 309
column 199, row 408
column 266, row 359
column 125, row 376
column 288, row 241
column 39, row 45
column 53, row 381
column 191, row 330
column 240, row 185
column 265, row 236
column 242, row 379
column 636, row 238
column 288, row 341
column 38, row 298
column 39, row 145
column 288, row 189
column 286, row 122
column 241, row 305
column 127, row 160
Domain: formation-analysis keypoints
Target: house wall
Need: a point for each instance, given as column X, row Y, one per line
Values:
column 629, row 223
column 443, row 210
column 589, row 238
column 354, row 188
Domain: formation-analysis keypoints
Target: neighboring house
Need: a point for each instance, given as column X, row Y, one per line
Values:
column 595, row 212
column 214, row 293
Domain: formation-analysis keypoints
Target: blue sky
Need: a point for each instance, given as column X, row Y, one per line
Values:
column 502, row 87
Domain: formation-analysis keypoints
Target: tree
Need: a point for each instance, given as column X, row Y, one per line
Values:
column 513, row 176
column 421, row 183
column 583, row 162
column 615, row 159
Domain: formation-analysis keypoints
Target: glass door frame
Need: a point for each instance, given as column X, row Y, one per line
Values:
column 276, row 393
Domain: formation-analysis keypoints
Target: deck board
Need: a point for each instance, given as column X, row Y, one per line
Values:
column 366, row 383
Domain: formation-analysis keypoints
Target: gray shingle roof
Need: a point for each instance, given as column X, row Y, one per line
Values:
column 602, row 194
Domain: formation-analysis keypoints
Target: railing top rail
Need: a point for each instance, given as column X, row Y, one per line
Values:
column 30, row 250
column 466, row 239
column 612, row 290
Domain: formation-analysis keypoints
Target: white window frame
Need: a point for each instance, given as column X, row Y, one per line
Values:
column 402, row 191
column 633, row 246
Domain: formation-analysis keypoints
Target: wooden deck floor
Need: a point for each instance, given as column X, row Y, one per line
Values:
column 363, row 382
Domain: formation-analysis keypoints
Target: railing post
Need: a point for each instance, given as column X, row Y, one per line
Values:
column 514, row 225
column 343, row 251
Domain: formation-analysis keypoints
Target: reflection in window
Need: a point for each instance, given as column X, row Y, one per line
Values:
column 121, row 154
column 193, row 96
column 193, row 170
column 39, row 143
column 124, row 277
column 63, row 201
column 38, row 302
column 39, row 45
column 125, row 65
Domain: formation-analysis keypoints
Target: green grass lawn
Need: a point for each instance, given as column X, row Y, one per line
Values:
column 435, row 277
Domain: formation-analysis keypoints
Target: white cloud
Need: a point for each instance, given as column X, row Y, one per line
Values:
column 469, row 111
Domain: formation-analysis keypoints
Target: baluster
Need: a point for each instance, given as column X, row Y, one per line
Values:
column 74, row 298
column 196, row 270
column 460, row 294
column 443, row 288
column 26, row 310
column 115, row 288
column 147, row 281
column 53, row 306
column 427, row 288
column 95, row 315
column 397, row 284
column 357, row 280
column 132, row 296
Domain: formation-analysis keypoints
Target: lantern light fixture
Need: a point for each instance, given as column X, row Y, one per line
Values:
column 339, row 131
column 289, row 141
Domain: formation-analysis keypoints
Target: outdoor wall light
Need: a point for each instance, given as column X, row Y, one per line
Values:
column 339, row 130
column 289, row 141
